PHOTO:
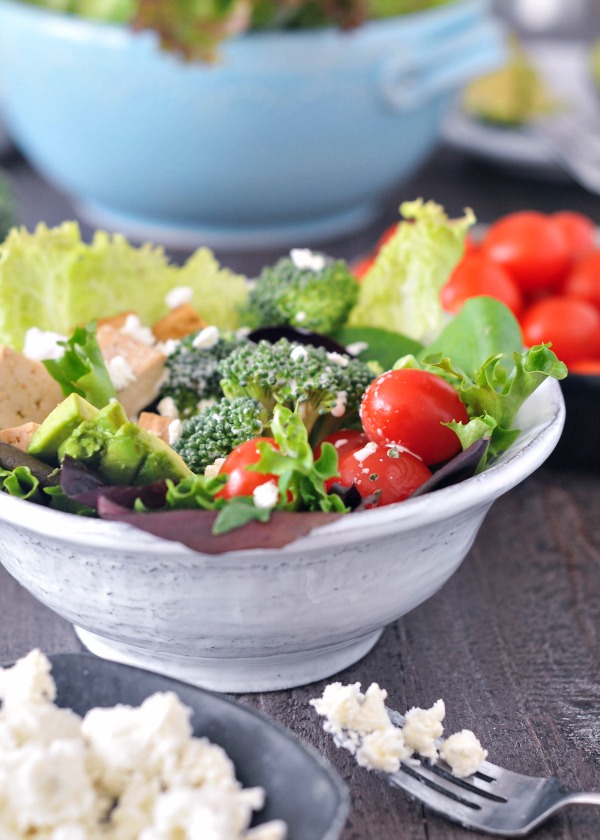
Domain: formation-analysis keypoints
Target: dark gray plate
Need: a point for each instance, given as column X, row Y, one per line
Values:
column 301, row 788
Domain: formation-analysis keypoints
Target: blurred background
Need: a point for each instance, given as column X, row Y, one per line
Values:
column 493, row 164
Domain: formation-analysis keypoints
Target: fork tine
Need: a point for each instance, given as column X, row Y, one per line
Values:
column 415, row 785
column 506, row 782
column 460, row 790
column 476, row 785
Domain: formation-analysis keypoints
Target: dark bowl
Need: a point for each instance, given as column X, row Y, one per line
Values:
column 301, row 788
column 579, row 444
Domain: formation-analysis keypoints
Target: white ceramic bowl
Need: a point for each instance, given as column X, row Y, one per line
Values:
column 261, row 619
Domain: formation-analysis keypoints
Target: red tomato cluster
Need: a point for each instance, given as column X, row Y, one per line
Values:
column 554, row 264
column 546, row 268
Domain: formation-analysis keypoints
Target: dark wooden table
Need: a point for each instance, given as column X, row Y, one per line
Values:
column 511, row 643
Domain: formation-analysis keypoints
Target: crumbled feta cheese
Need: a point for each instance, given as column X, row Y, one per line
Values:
column 304, row 258
column 174, row 431
column 266, row 495
column 339, row 408
column 362, row 454
column 27, row 682
column 168, row 347
column 360, row 723
column 383, row 750
column 206, row 338
column 338, row 359
column 463, row 752
column 43, row 344
column 213, row 469
column 423, row 727
column 356, row 348
column 121, row 773
column 134, row 328
column 168, row 408
column 205, row 402
column 179, row 296
column 120, row 372
column 298, row 353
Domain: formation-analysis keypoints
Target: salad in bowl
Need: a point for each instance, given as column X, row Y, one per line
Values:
column 294, row 443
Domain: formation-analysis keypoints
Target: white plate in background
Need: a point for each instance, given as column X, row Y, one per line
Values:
column 565, row 67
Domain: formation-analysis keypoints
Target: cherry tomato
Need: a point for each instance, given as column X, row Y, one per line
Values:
column 475, row 275
column 589, row 367
column 531, row 248
column 572, row 325
column 579, row 231
column 360, row 268
column 392, row 472
column 344, row 440
column 386, row 235
column 471, row 245
column 408, row 407
column 241, row 481
column 583, row 280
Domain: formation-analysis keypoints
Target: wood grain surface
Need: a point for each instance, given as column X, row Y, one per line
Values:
column 510, row 643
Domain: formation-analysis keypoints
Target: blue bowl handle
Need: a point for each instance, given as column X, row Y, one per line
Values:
column 408, row 81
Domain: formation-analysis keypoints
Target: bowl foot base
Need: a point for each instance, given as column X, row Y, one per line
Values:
column 261, row 673
column 190, row 236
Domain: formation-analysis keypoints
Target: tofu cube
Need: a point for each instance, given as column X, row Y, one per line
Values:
column 19, row 436
column 147, row 366
column 155, row 423
column 29, row 393
column 180, row 322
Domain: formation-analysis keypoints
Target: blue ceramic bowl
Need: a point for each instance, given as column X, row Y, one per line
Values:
column 291, row 137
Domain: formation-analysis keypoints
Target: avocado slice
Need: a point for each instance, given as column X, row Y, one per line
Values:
column 512, row 96
column 123, row 455
column 58, row 426
column 162, row 463
column 88, row 440
column 136, row 456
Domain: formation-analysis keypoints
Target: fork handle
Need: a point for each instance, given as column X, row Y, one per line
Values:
column 580, row 798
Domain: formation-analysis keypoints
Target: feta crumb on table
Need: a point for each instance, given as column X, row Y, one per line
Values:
column 361, row 724
column 120, row 773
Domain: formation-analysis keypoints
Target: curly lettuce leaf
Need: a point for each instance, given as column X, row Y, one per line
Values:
column 301, row 479
column 53, row 280
column 219, row 294
column 401, row 291
column 20, row 482
column 82, row 369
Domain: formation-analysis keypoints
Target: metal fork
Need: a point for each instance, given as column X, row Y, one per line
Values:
column 573, row 141
column 493, row 800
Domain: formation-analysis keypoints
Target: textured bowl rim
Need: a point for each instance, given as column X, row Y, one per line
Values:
column 479, row 491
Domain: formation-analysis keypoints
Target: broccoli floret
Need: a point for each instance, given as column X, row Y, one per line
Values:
column 318, row 300
column 218, row 429
column 323, row 386
column 192, row 369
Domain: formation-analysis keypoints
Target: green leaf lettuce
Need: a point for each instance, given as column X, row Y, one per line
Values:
column 53, row 280
column 401, row 292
